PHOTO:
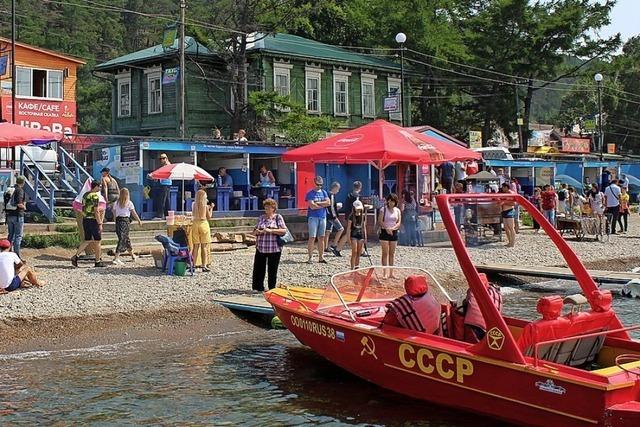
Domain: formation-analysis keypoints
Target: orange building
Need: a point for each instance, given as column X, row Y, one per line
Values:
column 45, row 87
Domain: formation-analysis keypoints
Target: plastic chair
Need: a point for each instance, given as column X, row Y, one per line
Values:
column 174, row 252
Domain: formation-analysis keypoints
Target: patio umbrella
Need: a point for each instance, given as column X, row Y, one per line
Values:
column 380, row 144
column 12, row 135
column 183, row 172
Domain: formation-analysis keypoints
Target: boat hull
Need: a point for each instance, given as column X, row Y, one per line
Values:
column 444, row 372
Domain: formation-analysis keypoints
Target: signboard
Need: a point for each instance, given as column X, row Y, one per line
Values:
column 53, row 116
column 611, row 148
column 520, row 121
column 391, row 104
column 576, row 145
column 170, row 75
column 475, row 139
column 169, row 36
column 3, row 64
column 130, row 153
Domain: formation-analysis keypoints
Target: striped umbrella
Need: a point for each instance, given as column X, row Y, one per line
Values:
column 183, row 172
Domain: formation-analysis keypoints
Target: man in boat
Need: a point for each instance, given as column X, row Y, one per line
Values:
column 475, row 327
column 418, row 310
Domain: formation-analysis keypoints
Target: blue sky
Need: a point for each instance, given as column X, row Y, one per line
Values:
column 624, row 20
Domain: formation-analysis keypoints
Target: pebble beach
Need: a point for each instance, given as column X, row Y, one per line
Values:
column 138, row 287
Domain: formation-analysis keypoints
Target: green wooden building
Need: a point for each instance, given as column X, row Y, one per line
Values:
column 328, row 80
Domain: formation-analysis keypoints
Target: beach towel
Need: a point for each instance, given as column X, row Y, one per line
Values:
column 77, row 202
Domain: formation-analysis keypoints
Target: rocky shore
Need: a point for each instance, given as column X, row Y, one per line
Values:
column 138, row 287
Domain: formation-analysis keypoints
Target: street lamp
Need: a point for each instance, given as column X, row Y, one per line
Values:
column 598, row 78
column 401, row 38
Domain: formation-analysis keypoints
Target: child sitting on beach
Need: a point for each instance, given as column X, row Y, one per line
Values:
column 357, row 225
column 14, row 274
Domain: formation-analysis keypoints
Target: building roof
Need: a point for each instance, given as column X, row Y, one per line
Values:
column 192, row 47
column 290, row 45
column 45, row 51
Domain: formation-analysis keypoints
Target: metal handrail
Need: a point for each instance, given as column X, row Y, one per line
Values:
column 62, row 161
column 536, row 346
column 23, row 153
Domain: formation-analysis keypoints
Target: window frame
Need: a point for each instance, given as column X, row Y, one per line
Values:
column 48, row 73
column 341, row 77
column 311, row 73
column 282, row 69
column 121, row 79
column 368, row 79
column 154, row 75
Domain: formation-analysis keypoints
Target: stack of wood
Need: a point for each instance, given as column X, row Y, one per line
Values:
column 222, row 242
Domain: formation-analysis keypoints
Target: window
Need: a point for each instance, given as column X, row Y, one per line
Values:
column 282, row 79
column 124, row 97
column 394, row 88
column 341, row 93
column 154, row 92
column 38, row 83
column 312, row 77
column 368, row 96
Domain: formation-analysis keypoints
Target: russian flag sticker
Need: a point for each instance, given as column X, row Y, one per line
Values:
column 340, row 336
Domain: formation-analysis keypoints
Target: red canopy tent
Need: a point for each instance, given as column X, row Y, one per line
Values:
column 12, row 135
column 380, row 144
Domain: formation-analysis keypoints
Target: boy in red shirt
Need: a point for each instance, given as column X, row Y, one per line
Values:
column 549, row 201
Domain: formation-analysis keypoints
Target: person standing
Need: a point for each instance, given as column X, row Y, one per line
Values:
column 461, row 173
column 549, row 202
column 123, row 210
column 110, row 191
column 612, row 202
column 348, row 206
column 270, row 225
column 93, row 211
column 606, row 178
column 446, row 175
column 200, row 230
column 536, row 201
column 597, row 204
column 410, row 215
column 562, row 198
column 390, row 220
column 318, row 200
column 15, row 208
column 508, row 213
column 357, row 225
column 515, row 188
column 624, row 210
column 165, row 187
column 224, row 179
column 333, row 220
column 624, row 182
column 266, row 178
column 13, row 272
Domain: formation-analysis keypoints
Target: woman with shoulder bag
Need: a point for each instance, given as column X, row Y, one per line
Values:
column 390, row 220
column 270, row 225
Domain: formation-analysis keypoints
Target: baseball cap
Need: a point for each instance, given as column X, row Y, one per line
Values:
column 357, row 205
column 5, row 244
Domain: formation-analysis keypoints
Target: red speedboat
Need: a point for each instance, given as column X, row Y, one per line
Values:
column 573, row 369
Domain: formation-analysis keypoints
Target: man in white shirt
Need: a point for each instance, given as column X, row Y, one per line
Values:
column 624, row 182
column 612, row 201
column 13, row 273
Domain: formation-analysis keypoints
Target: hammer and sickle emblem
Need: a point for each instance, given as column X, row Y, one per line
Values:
column 495, row 338
column 368, row 347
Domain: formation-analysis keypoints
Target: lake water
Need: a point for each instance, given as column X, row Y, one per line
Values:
column 249, row 376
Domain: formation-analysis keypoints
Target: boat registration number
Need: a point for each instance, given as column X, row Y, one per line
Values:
column 314, row 327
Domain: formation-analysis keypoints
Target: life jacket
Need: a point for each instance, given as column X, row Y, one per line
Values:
column 473, row 315
column 420, row 314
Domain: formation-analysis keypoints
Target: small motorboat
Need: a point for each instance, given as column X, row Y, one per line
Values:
column 573, row 369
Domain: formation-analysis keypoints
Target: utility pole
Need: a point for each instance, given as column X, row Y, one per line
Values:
column 183, row 71
column 598, row 78
column 13, row 61
column 519, row 120
column 401, row 38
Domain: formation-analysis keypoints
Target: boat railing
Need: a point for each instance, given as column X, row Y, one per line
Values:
column 536, row 347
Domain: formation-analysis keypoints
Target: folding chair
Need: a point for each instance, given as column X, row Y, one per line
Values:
column 174, row 252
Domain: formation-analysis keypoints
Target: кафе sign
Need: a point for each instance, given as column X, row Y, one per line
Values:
column 53, row 116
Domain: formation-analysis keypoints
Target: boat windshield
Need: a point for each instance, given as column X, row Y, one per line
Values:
column 356, row 293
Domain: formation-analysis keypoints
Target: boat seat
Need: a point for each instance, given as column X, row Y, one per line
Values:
column 572, row 352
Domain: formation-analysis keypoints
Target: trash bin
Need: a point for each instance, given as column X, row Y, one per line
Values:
column 179, row 268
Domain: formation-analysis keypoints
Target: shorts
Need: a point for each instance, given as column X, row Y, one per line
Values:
column 200, row 233
column 357, row 234
column 334, row 225
column 91, row 229
column 384, row 235
column 15, row 284
column 317, row 226
column 509, row 213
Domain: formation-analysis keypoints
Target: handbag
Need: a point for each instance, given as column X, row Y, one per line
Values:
column 286, row 239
